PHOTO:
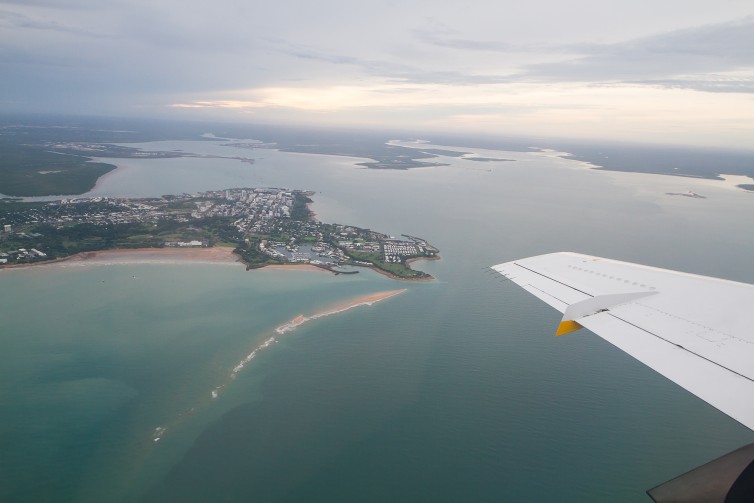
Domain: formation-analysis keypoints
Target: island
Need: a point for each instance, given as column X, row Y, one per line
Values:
column 264, row 226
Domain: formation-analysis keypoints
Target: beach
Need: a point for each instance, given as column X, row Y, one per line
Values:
column 142, row 255
column 214, row 255
column 299, row 267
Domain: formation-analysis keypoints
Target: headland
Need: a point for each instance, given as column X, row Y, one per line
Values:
column 262, row 227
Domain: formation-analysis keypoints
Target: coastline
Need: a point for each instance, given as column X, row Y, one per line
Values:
column 408, row 261
column 291, row 267
column 215, row 255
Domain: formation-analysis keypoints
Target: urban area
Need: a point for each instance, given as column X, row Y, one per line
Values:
column 264, row 225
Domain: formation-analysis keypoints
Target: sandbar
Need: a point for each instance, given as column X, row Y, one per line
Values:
column 363, row 300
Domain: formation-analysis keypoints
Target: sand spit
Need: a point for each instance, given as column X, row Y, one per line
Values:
column 364, row 300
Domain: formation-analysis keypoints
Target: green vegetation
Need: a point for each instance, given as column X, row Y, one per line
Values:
column 300, row 211
column 400, row 270
column 27, row 170
column 254, row 258
column 384, row 156
column 63, row 241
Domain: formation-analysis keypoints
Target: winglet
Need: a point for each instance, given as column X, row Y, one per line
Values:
column 568, row 326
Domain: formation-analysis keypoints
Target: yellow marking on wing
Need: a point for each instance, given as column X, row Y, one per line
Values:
column 568, row 326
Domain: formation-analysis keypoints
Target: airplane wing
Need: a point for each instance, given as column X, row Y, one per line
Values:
column 695, row 330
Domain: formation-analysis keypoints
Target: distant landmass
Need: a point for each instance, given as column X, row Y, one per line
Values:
column 47, row 156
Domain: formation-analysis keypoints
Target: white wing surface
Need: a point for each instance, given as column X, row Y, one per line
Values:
column 695, row 330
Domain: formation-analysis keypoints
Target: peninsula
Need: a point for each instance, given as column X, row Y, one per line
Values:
column 264, row 226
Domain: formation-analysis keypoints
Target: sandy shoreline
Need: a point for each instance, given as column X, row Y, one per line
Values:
column 292, row 267
column 363, row 300
column 213, row 255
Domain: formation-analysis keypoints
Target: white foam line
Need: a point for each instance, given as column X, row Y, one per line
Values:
column 248, row 358
column 291, row 325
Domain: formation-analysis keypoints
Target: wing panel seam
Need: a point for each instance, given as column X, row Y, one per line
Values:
column 547, row 293
column 681, row 347
column 553, row 279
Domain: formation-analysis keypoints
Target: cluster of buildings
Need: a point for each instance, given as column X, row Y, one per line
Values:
column 93, row 210
column 392, row 250
column 319, row 253
column 186, row 244
column 254, row 209
column 21, row 255
column 276, row 216
column 396, row 251
column 251, row 207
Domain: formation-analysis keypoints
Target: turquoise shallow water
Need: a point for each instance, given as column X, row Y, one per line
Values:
column 454, row 390
column 103, row 355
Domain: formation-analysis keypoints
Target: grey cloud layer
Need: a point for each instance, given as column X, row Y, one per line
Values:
column 676, row 59
column 131, row 52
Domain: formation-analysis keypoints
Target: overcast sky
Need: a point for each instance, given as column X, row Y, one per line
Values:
column 669, row 71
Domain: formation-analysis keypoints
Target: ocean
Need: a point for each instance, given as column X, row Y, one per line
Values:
column 455, row 390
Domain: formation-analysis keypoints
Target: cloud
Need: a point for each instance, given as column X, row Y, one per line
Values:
column 450, row 40
column 14, row 20
column 706, row 54
column 412, row 62
column 712, row 83
column 69, row 4
column 699, row 58
column 219, row 104
column 389, row 70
